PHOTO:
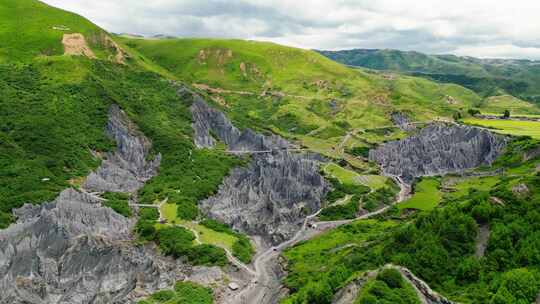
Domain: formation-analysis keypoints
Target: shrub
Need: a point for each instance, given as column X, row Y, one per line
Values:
column 163, row 295
column 359, row 151
column 391, row 277
column 175, row 241
column 118, row 202
column 208, row 255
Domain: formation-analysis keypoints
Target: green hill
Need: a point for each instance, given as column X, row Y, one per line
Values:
column 54, row 111
column 487, row 77
column 29, row 29
column 299, row 93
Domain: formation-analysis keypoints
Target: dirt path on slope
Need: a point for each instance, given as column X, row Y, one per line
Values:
column 265, row 288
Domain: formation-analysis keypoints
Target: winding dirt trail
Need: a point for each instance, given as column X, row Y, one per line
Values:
column 265, row 288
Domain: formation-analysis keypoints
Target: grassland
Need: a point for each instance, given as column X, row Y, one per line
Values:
column 516, row 106
column 426, row 195
column 206, row 235
column 507, row 126
column 462, row 187
column 30, row 28
column 349, row 177
column 300, row 94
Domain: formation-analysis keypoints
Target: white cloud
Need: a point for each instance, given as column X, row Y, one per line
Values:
column 483, row 28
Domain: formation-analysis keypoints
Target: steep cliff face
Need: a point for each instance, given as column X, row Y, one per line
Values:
column 208, row 121
column 274, row 193
column 127, row 168
column 74, row 250
column 438, row 149
column 271, row 196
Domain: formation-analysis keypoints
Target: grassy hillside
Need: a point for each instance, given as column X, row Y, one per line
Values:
column 440, row 246
column 301, row 94
column 29, row 28
column 519, row 78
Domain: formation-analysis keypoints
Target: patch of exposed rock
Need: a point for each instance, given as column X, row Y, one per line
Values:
column 426, row 295
column 75, row 45
column 208, row 122
column 270, row 197
column 401, row 120
column 437, row 150
column 127, row 169
column 73, row 250
column 274, row 193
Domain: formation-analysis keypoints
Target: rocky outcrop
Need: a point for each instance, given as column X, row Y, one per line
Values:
column 402, row 121
column 73, row 250
column 274, row 193
column 349, row 293
column 425, row 293
column 270, row 197
column 208, row 122
column 128, row 167
column 438, row 149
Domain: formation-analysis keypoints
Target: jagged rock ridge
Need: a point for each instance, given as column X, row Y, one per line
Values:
column 74, row 250
column 208, row 121
column 273, row 194
column 127, row 168
column 438, row 149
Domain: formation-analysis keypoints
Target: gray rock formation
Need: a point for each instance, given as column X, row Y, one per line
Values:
column 73, row 250
column 270, row 197
column 402, row 121
column 274, row 193
column 127, row 169
column 208, row 121
column 438, row 149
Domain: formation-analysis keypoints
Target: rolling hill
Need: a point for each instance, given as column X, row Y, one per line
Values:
column 487, row 77
column 81, row 104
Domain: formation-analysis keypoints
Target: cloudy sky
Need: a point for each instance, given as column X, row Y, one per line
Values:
column 481, row 28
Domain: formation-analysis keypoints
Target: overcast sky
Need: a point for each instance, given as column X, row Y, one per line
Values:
column 481, row 28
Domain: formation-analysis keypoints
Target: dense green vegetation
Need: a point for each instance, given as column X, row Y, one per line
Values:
column 488, row 77
column 300, row 94
column 388, row 287
column 145, row 226
column 183, row 293
column 242, row 247
column 178, row 242
column 310, row 277
column 54, row 111
column 439, row 246
column 46, row 130
column 119, row 202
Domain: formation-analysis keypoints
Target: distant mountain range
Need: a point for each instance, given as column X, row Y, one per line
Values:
column 488, row 77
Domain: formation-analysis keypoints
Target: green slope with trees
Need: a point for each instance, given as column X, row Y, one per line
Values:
column 487, row 77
